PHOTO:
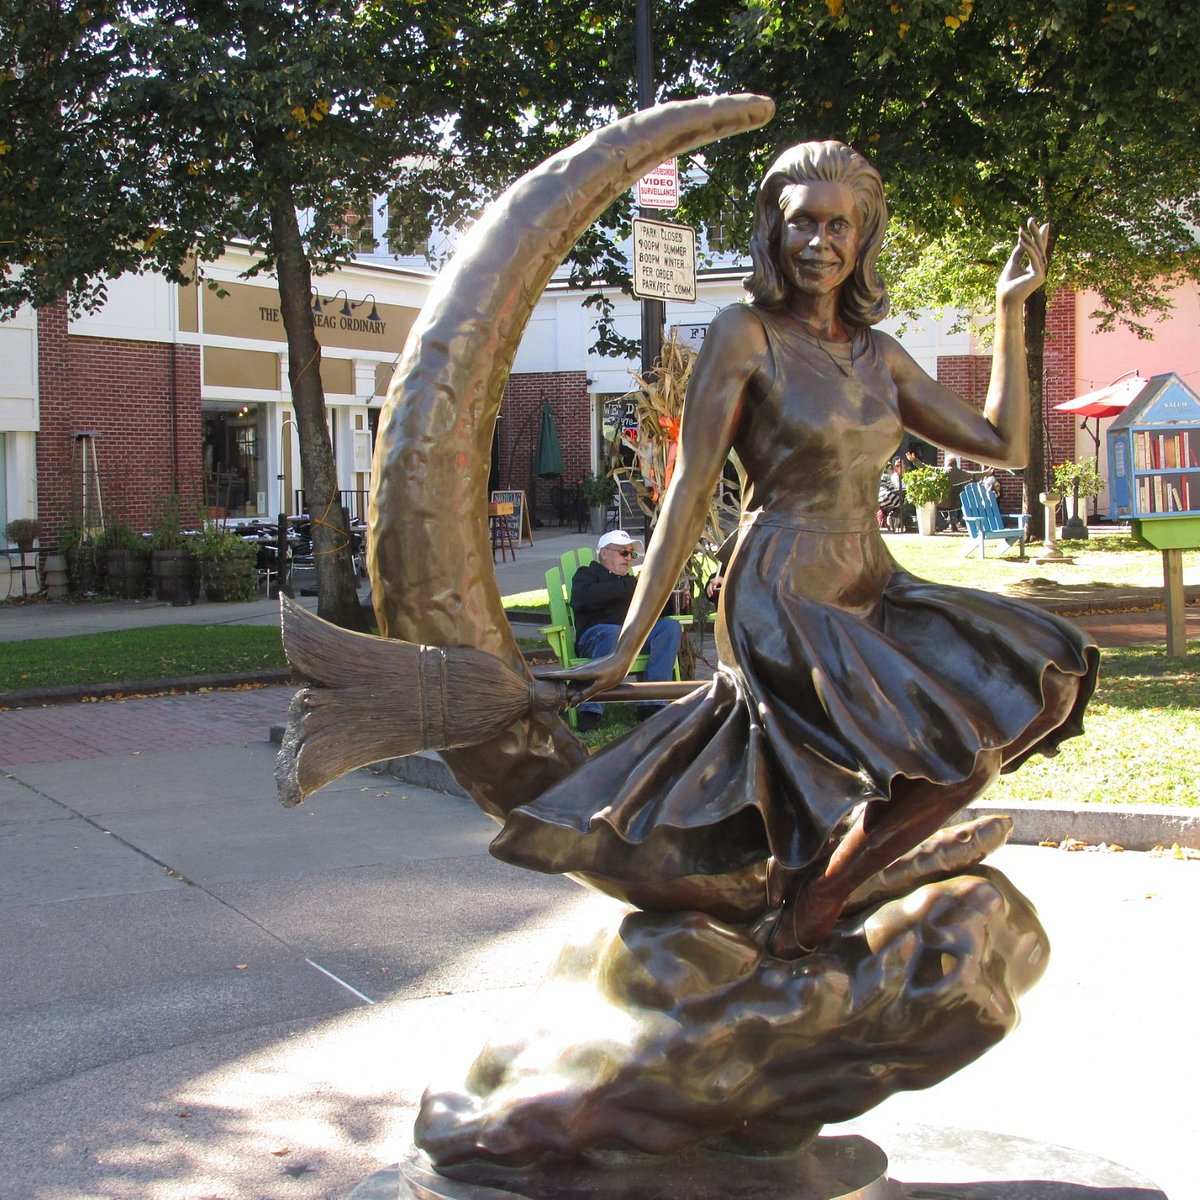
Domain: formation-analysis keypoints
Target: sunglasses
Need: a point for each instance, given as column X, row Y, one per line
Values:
column 625, row 553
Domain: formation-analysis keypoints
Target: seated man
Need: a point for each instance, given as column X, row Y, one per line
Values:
column 600, row 596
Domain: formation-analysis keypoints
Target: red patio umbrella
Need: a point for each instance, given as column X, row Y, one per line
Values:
column 1105, row 401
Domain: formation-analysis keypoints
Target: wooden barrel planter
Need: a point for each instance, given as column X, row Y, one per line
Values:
column 126, row 574
column 174, row 573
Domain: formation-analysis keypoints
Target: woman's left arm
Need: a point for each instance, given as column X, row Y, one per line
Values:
column 999, row 435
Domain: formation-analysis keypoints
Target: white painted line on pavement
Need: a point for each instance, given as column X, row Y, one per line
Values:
column 340, row 982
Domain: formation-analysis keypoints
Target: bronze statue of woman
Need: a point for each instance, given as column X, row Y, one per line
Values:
column 854, row 710
column 855, row 707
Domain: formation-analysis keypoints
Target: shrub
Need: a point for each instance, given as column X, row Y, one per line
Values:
column 926, row 485
column 1066, row 473
column 120, row 535
column 23, row 530
column 167, row 533
column 597, row 490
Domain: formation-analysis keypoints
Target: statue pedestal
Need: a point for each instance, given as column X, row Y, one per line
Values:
column 832, row 1168
column 958, row 1164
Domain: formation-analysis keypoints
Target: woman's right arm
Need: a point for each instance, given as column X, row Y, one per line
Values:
column 734, row 353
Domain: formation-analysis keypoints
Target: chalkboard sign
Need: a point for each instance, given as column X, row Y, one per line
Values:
column 518, row 523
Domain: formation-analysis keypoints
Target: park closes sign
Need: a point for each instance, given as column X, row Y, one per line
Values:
column 664, row 261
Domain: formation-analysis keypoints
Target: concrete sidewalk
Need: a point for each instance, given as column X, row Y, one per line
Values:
column 207, row 995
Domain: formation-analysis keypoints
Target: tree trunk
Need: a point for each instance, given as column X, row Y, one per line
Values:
column 1035, row 470
column 337, row 592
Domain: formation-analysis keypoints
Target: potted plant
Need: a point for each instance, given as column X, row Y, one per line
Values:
column 23, row 532
column 926, row 488
column 227, row 564
column 598, row 492
column 1067, row 475
column 126, row 557
column 171, row 564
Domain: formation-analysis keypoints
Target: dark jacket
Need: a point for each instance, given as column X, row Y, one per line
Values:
column 598, row 597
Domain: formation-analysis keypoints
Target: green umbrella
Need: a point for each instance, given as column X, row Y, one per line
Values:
column 549, row 459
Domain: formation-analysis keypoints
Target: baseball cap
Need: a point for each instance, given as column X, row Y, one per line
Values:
column 617, row 537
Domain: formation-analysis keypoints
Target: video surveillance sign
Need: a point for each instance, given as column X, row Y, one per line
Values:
column 660, row 188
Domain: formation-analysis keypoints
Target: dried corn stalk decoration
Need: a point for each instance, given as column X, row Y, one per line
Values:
column 658, row 407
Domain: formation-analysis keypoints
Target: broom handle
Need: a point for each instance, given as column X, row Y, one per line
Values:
column 638, row 691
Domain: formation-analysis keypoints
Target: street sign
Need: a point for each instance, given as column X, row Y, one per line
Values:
column 691, row 335
column 660, row 188
column 664, row 260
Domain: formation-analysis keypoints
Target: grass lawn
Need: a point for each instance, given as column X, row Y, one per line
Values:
column 1144, row 722
column 1142, row 730
column 158, row 652
column 1102, row 562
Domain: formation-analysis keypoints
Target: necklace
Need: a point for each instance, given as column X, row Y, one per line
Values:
column 844, row 367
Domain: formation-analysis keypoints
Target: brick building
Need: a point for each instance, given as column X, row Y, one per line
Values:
column 184, row 390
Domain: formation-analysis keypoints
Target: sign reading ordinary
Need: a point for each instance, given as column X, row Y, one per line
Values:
column 664, row 261
column 660, row 188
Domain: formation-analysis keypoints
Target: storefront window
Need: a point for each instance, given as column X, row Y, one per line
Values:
column 232, row 459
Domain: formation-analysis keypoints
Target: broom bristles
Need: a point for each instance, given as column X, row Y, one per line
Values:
column 377, row 698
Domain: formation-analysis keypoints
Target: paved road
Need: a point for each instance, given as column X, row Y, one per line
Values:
column 206, row 995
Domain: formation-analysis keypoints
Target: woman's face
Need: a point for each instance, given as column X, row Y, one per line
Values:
column 820, row 236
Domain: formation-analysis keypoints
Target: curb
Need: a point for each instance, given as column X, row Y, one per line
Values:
column 1129, row 826
column 1132, row 827
column 75, row 693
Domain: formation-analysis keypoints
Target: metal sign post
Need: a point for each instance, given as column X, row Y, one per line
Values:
column 654, row 312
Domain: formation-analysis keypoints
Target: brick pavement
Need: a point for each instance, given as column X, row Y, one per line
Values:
column 56, row 733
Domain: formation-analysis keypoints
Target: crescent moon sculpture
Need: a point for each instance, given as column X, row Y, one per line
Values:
column 429, row 555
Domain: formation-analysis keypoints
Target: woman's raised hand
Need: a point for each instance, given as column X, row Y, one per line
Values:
column 1025, row 270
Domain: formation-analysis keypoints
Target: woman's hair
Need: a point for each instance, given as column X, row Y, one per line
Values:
column 864, row 299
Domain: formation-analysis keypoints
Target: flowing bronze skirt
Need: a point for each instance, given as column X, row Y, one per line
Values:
column 840, row 673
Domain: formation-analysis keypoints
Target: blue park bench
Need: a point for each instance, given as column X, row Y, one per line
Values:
column 985, row 521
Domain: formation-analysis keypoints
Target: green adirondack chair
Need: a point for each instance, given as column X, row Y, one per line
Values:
column 560, row 633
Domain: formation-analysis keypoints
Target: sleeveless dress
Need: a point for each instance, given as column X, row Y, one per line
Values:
column 839, row 672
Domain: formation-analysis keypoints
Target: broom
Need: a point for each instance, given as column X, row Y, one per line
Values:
column 372, row 698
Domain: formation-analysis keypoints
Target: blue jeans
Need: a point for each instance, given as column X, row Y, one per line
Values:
column 662, row 648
